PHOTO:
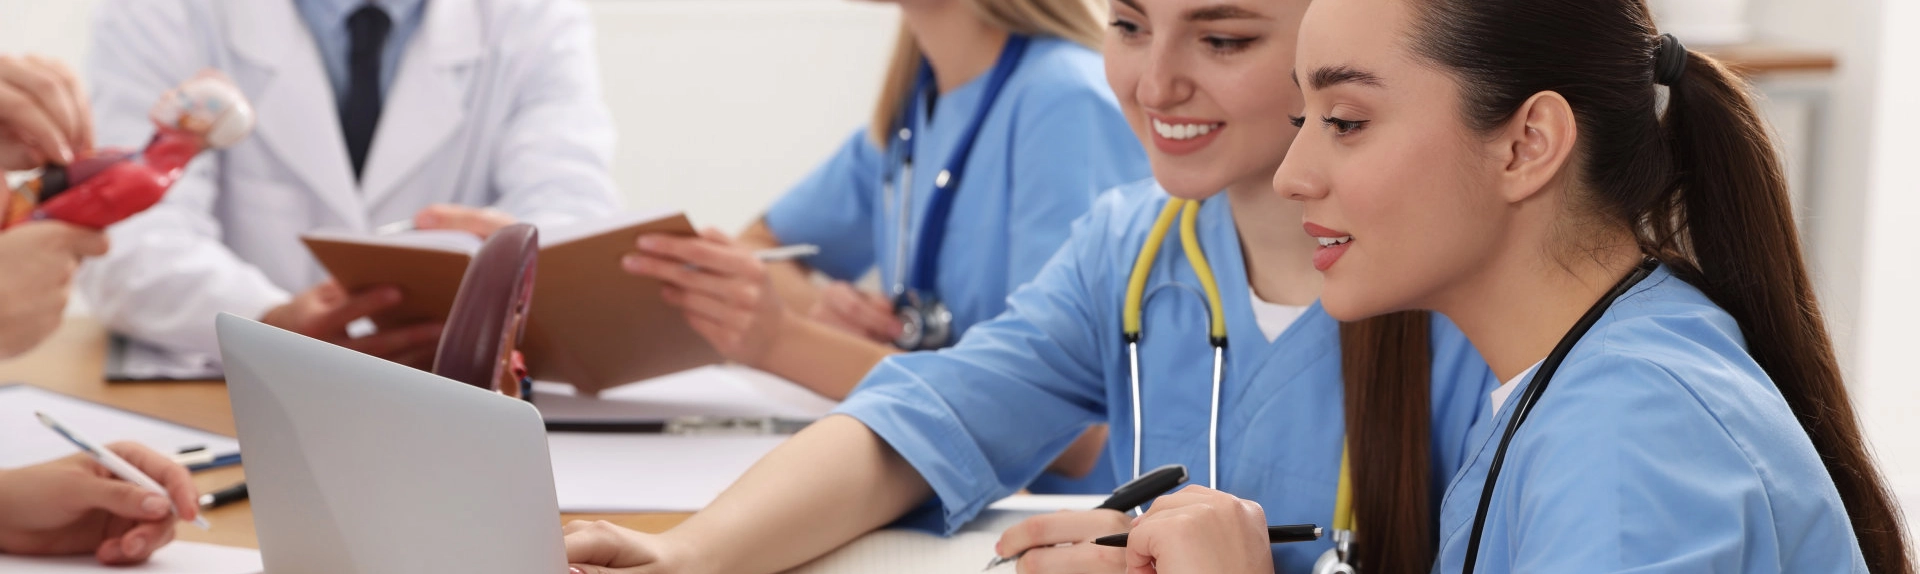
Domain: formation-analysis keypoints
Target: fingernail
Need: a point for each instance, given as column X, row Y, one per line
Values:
column 574, row 570
column 135, row 545
column 632, row 262
column 66, row 154
column 153, row 505
column 649, row 242
column 428, row 220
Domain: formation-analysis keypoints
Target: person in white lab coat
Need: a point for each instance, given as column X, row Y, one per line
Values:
column 462, row 114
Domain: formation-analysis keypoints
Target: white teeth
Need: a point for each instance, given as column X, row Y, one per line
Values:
column 1332, row 241
column 1182, row 131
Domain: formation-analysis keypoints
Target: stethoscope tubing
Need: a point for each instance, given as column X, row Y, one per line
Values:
column 1132, row 327
column 1537, row 387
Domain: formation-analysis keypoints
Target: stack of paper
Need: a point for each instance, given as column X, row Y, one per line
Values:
column 641, row 472
column 966, row 552
column 26, row 442
column 176, row 558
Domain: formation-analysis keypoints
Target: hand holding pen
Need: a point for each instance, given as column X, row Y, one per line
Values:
column 76, row 505
column 1052, row 539
column 1203, row 530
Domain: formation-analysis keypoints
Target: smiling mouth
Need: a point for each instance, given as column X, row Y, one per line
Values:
column 1332, row 241
column 1184, row 131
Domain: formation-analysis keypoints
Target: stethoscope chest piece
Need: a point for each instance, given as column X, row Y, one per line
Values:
column 926, row 323
column 1336, row 559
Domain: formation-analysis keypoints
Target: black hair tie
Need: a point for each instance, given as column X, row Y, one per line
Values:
column 1669, row 61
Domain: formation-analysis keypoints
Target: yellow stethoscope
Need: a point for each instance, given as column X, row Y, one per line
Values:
column 1189, row 212
column 1339, row 559
column 1335, row 561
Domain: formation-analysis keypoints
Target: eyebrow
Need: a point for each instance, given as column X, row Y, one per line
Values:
column 1133, row 4
column 1221, row 12
column 1330, row 76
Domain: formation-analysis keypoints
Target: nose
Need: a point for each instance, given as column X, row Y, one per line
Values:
column 1162, row 86
column 1302, row 175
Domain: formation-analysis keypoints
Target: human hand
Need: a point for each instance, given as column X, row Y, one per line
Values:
column 869, row 315
column 39, row 260
column 599, row 547
column 1039, row 535
column 324, row 312
column 480, row 221
column 74, row 505
column 1199, row 529
column 44, row 116
column 720, row 286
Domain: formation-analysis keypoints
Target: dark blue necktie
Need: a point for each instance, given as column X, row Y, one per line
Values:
column 368, row 26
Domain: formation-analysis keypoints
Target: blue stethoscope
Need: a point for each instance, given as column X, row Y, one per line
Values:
column 926, row 322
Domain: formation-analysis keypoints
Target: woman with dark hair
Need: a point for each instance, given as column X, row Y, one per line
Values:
column 1672, row 400
column 1129, row 325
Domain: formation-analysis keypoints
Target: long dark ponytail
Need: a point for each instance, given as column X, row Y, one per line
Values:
column 1386, row 363
column 1701, row 188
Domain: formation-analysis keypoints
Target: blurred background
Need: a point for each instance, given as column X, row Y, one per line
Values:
column 721, row 104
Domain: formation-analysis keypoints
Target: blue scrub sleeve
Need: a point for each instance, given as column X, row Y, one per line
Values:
column 833, row 207
column 1669, row 491
column 1068, row 149
column 980, row 420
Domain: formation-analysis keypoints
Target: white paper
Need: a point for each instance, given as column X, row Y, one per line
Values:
column 446, row 240
column 633, row 472
column 179, row 557
column 720, row 390
column 24, row 441
column 966, row 552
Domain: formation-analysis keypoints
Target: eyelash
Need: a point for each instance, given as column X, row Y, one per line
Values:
column 1340, row 127
column 1227, row 45
column 1218, row 44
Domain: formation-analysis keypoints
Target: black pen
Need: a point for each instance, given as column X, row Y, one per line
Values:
column 224, row 496
column 1275, row 535
column 1131, row 495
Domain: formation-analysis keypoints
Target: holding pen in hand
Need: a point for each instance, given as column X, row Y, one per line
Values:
column 75, row 505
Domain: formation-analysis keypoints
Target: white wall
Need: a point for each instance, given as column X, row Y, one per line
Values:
column 1890, row 388
column 720, row 104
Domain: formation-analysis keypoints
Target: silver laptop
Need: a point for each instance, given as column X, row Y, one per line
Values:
column 359, row 465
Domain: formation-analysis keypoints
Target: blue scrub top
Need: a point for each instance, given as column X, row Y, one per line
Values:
column 1052, row 141
column 1660, row 446
column 981, row 419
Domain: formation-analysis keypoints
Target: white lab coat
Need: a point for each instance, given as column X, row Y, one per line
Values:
column 495, row 103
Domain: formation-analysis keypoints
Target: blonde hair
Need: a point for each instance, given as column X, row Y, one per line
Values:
column 1081, row 21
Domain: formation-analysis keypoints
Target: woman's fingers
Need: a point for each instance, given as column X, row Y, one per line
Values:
column 139, row 542
column 734, row 317
column 35, row 135
column 179, row 483
column 719, row 256
column 733, row 290
column 1074, row 559
column 1058, row 528
column 603, row 544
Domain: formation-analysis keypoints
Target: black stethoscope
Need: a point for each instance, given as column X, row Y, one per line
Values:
column 1538, row 386
column 926, row 321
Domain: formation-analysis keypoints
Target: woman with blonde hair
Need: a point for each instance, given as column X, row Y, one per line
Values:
column 994, row 131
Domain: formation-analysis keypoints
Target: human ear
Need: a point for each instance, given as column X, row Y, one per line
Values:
column 1535, row 145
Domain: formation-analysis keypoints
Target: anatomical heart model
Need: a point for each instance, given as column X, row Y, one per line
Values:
column 102, row 187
